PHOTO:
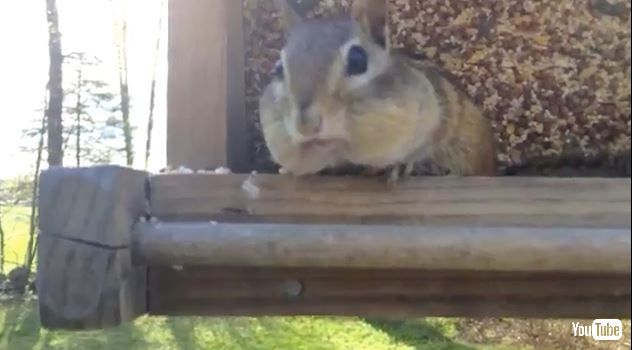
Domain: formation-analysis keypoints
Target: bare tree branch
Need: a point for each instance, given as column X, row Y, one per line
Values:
column 152, row 96
column 121, row 43
column 30, row 253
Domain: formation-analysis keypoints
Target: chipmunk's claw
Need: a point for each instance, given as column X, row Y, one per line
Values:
column 393, row 177
column 398, row 173
column 410, row 168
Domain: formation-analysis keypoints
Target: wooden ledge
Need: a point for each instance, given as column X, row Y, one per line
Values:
column 497, row 201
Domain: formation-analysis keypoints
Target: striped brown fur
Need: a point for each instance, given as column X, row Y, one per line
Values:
column 400, row 111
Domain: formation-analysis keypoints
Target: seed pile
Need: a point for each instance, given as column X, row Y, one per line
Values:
column 553, row 76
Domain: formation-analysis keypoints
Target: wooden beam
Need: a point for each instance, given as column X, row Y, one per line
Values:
column 466, row 202
column 464, row 247
column 206, row 122
column 85, row 278
column 196, row 290
column 384, row 247
column 505, row 247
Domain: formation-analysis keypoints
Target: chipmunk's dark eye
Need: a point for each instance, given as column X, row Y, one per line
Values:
column 278, row 69
column 357, row 61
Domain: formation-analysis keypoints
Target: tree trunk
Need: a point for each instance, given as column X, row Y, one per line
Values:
column 31, row 247
column 78, row 118
column 55, row 90
column 150, row 122
column 127, row 128
column 152, row 96
column 1, row 246
column 122, row 59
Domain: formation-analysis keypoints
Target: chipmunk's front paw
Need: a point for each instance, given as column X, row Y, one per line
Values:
column 398, row 173
column 409, row 169
column 393, row 177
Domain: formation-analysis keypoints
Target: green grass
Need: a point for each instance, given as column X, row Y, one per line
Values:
column 15, row 222
column 20, row 330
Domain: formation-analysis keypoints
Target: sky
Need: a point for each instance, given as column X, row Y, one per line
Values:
column 86, row 26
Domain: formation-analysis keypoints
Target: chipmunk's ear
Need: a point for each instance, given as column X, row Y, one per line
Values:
column 289, row 16
column 372, row 17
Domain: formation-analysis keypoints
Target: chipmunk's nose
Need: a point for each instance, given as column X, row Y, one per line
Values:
column 309, row 121
column 310, row 126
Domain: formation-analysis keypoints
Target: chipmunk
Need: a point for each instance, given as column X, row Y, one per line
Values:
column 341, row 95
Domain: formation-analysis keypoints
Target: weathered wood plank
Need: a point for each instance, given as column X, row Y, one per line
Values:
column 85, row 275
column 194, row 290
column 93, row 204
column 82, row 286
column 206, row 122
column 498, row 201
column 238, row 136
column 267, row 282
column 384, row 246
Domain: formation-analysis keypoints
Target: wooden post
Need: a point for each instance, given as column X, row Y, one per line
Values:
column 206, row 122
column 85, row 275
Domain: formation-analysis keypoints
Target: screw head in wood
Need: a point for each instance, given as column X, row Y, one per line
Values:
column 292, row 289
